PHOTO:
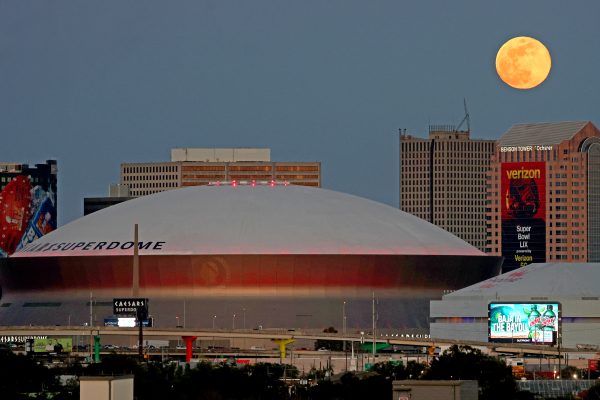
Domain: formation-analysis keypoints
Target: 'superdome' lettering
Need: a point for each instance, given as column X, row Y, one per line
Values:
column 523, row 173
column 87, row 246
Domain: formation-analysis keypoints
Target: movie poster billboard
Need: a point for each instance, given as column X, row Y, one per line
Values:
column 53, row 345
column 27, row 204
column 523, row 213
column 535, row 323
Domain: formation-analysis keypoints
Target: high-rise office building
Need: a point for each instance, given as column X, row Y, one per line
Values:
column 27, row 203
column 544, row 194
column 442, row 180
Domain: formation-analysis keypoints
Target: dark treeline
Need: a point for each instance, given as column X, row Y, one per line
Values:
column 23, row 377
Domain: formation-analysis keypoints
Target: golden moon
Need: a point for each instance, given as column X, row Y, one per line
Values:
column 523, row 62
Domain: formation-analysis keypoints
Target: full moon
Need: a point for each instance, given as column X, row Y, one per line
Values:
column 523, row 62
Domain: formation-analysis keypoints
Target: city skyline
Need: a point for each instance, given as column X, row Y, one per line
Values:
column 104, row 84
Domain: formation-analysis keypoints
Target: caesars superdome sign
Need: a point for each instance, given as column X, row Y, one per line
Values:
column 90, row 246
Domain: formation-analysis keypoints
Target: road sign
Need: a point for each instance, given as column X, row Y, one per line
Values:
column 136, row 307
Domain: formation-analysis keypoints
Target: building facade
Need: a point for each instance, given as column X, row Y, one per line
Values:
column 443, row 178
column 196, row 167
column 201, row 166
column 27, row 203
column 544, row 194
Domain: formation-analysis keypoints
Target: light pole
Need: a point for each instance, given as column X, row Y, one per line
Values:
column 244, row 311
column 344, row 323
column 344, row 331
column 344, row 318
column 214, row 319
column 233, row 322
column 374, row 333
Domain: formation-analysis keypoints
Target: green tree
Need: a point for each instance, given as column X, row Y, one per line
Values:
column 333, row 345
column 391, row 370
column 464, row 362
column 20, row 375
column 592, row 393
column 569, row 372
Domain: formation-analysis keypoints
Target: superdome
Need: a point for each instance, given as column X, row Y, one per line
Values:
column 250, row 220
column 289, row 256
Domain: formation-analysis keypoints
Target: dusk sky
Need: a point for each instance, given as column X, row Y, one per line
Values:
column 93, row 84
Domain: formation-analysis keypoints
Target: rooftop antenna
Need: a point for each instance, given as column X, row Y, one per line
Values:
column 466, row 119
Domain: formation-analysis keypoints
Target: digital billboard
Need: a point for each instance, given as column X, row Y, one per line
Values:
column 523, row 322
column 53, row 345
column 27, row 204
column 523, row 213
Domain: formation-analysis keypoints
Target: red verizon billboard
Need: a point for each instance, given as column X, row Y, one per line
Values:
column 523, row 208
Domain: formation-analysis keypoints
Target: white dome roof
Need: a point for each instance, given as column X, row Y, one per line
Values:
column 551, row 280
column 250, row 220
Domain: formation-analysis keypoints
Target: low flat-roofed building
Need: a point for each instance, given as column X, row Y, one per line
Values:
column 200, row 166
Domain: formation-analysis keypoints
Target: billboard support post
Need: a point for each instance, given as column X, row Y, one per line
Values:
column 138, row 308
column 141, row 334
column 97, row 348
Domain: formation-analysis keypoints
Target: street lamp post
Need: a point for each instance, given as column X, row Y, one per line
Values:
column 344, row 332
column 374, row 333
column 233, row 322
column 244, row 311
column 214, row 319
column 344, row 318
